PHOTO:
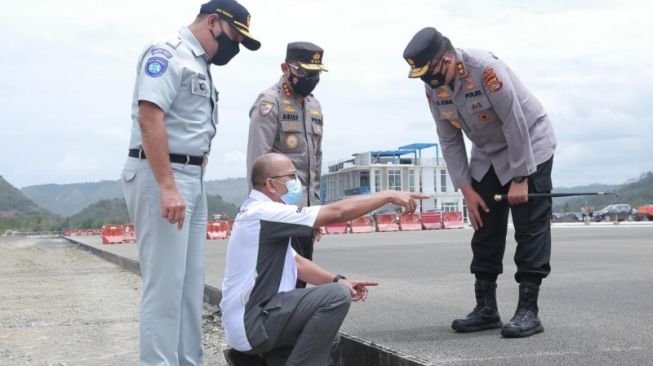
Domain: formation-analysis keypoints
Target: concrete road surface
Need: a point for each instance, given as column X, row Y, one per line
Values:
column 595, row 306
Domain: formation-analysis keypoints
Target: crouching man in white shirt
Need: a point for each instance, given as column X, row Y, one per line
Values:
column 264, row 316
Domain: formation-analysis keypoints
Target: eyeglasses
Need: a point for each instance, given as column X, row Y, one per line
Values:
column 299, row 71
column 294, row 174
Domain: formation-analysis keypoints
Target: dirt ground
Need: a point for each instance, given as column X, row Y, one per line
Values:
column 61, row 306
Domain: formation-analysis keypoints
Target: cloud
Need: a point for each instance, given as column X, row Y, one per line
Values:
column 66, row 93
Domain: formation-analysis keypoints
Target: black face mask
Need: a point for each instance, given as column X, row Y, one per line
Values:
column 227, row 49
column 303, row 85
column 437, row 79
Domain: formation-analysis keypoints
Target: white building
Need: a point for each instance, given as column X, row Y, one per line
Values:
column 403, row 169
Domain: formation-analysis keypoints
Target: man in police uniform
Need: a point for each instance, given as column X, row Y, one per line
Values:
column 513, row 142
column 174, row 114
column 287, row 119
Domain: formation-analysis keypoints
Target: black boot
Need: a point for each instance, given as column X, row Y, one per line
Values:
column 525, row 323
column 485, row 315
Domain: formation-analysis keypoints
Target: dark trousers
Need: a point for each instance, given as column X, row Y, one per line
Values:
column 302, row 328
column 304, row 247
column 532, row 223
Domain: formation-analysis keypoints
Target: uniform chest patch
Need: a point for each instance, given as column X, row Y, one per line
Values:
column 289, row 109
column 292, row 141
column 472, row 94
column 156, row 66
column 265, row 107
column 443, row 94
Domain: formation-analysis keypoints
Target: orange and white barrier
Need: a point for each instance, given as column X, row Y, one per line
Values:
column 337, row 228
column 362, row 224
column 112, row 234
column 431, row 220
column 453, row 220
column 218, row 229
column 129, row 233
column 410, row 222
column 386, row 222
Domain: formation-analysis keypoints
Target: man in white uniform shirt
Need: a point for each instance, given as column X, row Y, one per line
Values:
column 262, row 312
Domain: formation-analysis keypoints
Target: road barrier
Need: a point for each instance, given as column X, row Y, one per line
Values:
column 453, row 220
column 130, row 233
column 337, row 228
column 410, row 222
column 362, row 224
column 217, row 229
column 431, row 220
column 113, row 234
column 386, row 222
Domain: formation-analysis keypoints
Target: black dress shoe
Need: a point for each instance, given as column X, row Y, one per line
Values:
column 237, row 358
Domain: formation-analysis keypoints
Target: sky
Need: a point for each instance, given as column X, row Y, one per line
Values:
column 68, row 70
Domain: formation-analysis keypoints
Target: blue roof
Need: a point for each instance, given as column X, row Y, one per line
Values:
column 381, row 153
column 417, row 146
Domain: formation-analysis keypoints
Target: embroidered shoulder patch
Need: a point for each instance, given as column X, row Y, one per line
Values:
column 156, row 66
column 161, row 51
column 265, row 107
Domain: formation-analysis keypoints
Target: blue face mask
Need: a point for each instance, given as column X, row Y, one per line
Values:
column 294, row 192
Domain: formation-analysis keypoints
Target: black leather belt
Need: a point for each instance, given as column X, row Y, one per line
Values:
column 174, row 158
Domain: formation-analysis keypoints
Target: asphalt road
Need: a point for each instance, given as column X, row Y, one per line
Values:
column 595, row 306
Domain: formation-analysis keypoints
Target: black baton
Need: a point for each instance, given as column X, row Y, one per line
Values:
column 503, row 197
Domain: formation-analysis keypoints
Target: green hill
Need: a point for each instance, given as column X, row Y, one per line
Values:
column 111, row 211
column 636, row 193
column 70, row 199
column 19, row 213
column 114, row 211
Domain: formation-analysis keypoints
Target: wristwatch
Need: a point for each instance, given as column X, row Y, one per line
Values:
column 338, row 278
column 518, row 179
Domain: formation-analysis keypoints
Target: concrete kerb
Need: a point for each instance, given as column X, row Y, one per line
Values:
column 352, row 351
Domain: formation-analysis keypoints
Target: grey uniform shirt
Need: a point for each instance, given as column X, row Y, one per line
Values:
column 279, row 123
column 508, row 127
column 175, row 76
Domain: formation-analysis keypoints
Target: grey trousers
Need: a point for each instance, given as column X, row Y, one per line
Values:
column 172, row 265
column 302, row 330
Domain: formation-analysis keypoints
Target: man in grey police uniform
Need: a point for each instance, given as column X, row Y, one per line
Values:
column 286, row 118
column 174, row 114
column 513, row 142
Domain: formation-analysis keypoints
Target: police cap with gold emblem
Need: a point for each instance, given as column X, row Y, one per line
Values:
column 307, row 54
column 236, row 15
column 426, row 45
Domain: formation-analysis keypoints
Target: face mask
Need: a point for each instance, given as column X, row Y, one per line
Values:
column 294, row 192
column 435, row 80
column 303, row 85
column 227, row 49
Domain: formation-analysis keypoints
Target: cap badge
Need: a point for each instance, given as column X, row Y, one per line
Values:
column 411, row 62
column 316, row 57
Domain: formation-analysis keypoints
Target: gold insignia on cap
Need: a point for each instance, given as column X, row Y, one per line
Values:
column 411, row 62
column 292, row 141
column 316, row 57
column 249, row 20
